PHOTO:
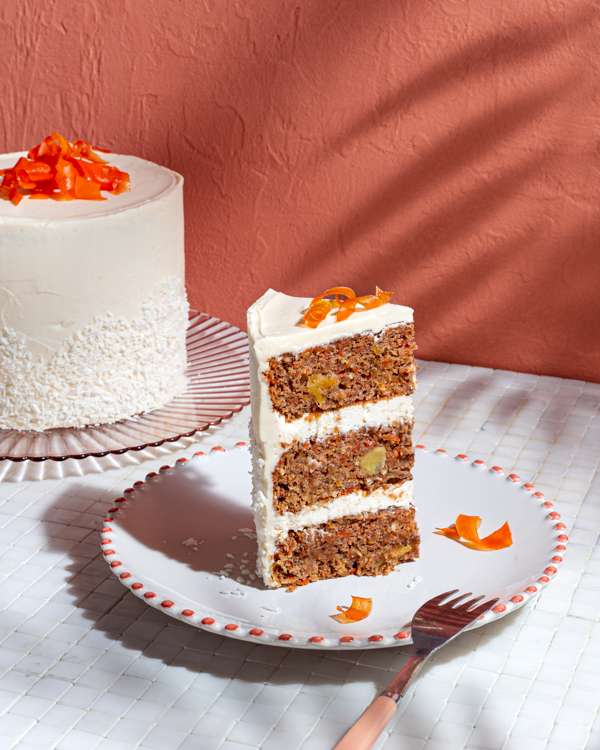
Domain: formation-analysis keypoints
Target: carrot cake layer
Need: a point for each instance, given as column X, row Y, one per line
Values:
column 364, row 545
column 362, row 368
column 362, row 460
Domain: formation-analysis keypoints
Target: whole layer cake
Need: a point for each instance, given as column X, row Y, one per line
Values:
column 92, row 302
column 331, row 441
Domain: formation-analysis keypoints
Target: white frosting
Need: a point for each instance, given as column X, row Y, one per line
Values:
column 398, row 496
column 92, row 302
column 276, row 434
column 384, row 412
column 275, row 326
column 111, row 369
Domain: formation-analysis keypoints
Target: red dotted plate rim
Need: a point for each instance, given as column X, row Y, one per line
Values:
column 207, row 621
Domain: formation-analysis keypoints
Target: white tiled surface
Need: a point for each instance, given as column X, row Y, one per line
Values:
column 84, row 664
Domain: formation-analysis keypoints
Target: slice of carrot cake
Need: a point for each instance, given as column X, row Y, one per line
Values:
column 330, row 436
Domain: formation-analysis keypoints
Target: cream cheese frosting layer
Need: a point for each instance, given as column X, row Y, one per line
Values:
column 353, row 417
column 276, row 324
column 275, row 434
column 398, row 496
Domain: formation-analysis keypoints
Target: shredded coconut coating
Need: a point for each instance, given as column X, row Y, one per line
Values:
column 109, row 370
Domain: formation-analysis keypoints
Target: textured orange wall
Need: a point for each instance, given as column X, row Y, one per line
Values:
column 448, row 151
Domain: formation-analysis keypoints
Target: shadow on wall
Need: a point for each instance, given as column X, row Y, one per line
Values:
column 448, row 153
column 465, row 146
column 461, row 215
column 460, row 230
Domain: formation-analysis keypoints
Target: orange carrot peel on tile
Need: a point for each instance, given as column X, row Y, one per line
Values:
column 319, row 307
column 466, row 527
column 62, row 171
column 358, row 610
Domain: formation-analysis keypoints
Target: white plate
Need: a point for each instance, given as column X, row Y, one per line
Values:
column 209, row 499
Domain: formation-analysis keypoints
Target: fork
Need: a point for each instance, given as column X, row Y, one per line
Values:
column 433, row 625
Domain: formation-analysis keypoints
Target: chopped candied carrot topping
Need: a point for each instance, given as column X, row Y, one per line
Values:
column 466, row 527
column 63, row 171
column 317, row 311
column 358, row 610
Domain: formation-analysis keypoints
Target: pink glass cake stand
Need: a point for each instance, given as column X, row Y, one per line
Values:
column 218, row 386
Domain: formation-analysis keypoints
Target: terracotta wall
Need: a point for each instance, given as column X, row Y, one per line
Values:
column 447, row 150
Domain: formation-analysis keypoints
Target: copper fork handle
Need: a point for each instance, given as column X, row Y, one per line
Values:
column 371, row 724
column 399, row 685
column 364, row 733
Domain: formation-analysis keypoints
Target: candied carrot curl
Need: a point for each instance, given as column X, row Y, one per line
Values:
column 450, row 532
column 345, row 307
column 466, row 527
column 337, row 290
column 317, row 313
column 358, row 610
column 62, row 171
column 369, row 301
column 383, row 297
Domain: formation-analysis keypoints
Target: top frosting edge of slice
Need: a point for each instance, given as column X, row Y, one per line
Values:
column 276, row 325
